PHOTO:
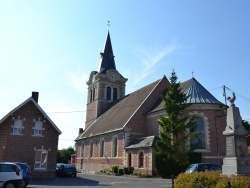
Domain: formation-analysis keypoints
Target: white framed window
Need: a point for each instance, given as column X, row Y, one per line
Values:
column 41, row 158
column 17, row 127
column 199, row 142
column 38, row 129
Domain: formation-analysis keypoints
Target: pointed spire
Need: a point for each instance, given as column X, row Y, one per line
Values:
column 107, row 57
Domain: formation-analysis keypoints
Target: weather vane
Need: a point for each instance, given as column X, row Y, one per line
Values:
column 108, row 24
column 192, row 74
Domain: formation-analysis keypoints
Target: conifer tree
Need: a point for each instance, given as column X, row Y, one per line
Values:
column 172, row 146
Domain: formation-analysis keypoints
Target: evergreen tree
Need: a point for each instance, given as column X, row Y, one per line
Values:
column 172, row 149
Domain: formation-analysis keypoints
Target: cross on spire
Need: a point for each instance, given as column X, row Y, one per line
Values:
column 108, row 24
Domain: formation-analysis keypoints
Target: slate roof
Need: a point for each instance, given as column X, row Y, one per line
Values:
column 143, row 142
column 107, row 57
column 30, row 99
column 197, row 93
column 121, row 112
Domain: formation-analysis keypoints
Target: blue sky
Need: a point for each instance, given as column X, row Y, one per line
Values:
column 52, row 46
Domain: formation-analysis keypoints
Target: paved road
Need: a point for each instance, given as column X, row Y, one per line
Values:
column 91, row 181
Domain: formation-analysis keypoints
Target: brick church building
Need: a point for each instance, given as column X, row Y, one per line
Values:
column 122, row 129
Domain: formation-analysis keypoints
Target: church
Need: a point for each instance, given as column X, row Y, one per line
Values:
column 121, row 129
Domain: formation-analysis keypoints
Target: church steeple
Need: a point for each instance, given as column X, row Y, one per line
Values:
column 105, row 86
column 107, row 57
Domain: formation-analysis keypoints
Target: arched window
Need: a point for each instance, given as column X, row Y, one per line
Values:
column 115, row 94
column 102, row 148
column 109, row 93
column 115, row 140
column 82, row 150
column 129, row 160
column 91, row 149
column 199, row 141
column 141, row 159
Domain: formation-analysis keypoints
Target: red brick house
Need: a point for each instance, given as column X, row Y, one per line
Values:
column 122, row 129
column 28, row 135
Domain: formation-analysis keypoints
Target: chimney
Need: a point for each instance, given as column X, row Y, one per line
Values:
column 35, row 96
column 80, row 130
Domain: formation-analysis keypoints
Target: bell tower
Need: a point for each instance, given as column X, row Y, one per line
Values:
column 105, row 85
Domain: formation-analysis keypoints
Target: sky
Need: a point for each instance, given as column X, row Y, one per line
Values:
column 52, row 46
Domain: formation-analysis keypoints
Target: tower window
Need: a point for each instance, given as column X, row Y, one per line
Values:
column 109, row 93
column 93, row 96
column 115, row 94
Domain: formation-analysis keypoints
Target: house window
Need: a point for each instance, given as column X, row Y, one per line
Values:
column 102, row 148
column 82, row 150
column 141, row 159
column 41, row 157
column 38, row 129
column 91, row 149
column 199, row 141
column 109, row 93
column 17, row 127
column 115, row 145
column 115, row 94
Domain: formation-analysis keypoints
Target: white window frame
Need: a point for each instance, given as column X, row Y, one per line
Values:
column 41, row 159
column 38, row 128
column 17, row 126
column 206, row 132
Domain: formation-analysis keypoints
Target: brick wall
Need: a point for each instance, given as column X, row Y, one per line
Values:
column 22, row 147
column 215, row 122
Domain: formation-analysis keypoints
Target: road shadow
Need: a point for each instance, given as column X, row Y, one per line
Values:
column 64, row 182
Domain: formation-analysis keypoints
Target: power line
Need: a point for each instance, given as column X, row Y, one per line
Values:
column 241, row 96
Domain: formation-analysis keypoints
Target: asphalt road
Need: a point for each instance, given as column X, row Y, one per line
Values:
column 91, row 181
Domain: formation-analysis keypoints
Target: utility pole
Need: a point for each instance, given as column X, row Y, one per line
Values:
column 224, row 94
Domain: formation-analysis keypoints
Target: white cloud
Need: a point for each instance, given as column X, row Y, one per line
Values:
column 78, row 80
column 151, row 57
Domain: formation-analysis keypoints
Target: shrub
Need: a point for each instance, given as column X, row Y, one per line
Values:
column 142, row 174
column 115, row 169
column 210, row 180
column 125, row 170
column 121, row 171
column 106, row 170
column 130, row 170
